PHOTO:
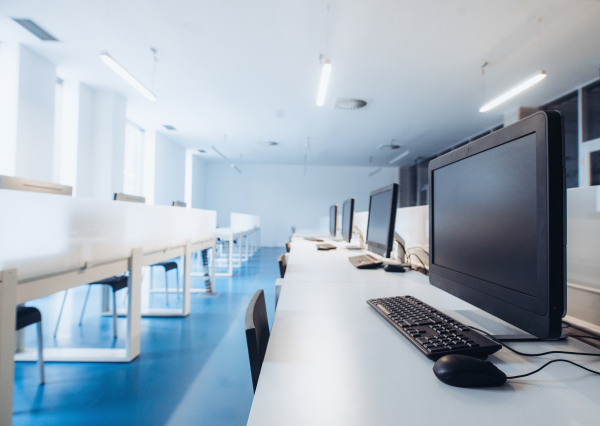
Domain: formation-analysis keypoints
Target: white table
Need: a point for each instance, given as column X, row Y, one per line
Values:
column 52, row 243
column 332, row 360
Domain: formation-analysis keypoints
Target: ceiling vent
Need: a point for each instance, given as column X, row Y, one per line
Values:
column 349, row 103
column 201, row 151
column 390, row 146
column 169, row 127
column 35, row 29
column 268, row 143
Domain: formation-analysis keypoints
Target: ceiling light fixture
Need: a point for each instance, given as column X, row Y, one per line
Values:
column 513, row 92
column 219, row 152
column 375, row 172
column 233, row 166
column 268, row 143
column 127, row 76
column 398, row 158
column 325, row 74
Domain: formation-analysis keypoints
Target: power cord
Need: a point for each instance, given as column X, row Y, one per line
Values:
column 418, row 268
column 544, row 353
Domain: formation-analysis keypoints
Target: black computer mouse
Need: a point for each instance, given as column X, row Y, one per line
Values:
column 468, row 372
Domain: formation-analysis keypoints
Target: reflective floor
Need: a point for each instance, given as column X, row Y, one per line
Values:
column 191, row 371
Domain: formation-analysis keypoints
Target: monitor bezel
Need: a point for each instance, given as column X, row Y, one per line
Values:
column 377, row 248
column 348, row 237
column 545, row 320
column 335, row 208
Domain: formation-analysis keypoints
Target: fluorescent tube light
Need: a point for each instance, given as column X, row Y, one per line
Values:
column 404, row 154
column 513, row 92
column 219, row 152
column 375, row 172
column 233, row 166
column 126, row 75
column 325, row 73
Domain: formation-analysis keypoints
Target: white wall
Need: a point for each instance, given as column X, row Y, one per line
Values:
column 27, row 86
column 284, row 197
column 101, row 145
column 169, row 172
column 198, row 183
column 35, row 128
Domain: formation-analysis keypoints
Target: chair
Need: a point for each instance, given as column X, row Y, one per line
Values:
column 27, row 315
column 168, row 266
column 115, row 283
column 282, row 264
column 288, row 246
column 257, row 333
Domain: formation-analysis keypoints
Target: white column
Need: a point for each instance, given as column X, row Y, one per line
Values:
column 9, row 105
column 189, row 173
column 149, row 165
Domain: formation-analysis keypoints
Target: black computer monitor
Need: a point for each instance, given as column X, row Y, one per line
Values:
column 497, row 224
column 347, row 219
column 333, row 220
column 382, row 220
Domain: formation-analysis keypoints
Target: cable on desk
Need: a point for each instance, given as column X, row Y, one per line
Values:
column 419, row 248
column 566, row 324
column 419, row 268
column 551, row 362
column 539, row 354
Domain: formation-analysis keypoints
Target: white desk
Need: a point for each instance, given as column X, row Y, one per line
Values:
column 52, row 243
column 332, row 360
column 245, row 229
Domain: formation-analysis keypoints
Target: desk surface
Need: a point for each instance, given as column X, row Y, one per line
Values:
column 332, row 360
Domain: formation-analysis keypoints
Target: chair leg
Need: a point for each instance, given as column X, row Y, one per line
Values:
column 41, row 352
column 177, row 271
column 85, row 304
column 167, row 286
column 60, row 313
column 115, row 313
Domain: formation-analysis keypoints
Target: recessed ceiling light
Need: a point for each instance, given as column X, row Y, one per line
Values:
column 201, row 151
column 169, row 127
column 268, row 143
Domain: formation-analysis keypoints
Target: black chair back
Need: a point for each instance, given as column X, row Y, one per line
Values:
column 288, row 246
column 257, row 334
column 282, row 265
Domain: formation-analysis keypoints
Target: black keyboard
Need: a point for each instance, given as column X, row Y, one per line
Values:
column 326, row 247
column 365, row 261
column 433, row 332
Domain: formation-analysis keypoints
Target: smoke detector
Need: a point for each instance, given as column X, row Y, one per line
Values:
column 268, row 143
column 349, row 104
column 389, row 146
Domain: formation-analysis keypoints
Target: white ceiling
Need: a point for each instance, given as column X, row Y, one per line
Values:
column 250, row 69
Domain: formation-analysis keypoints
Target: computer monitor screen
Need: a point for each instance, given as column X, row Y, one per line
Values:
column 347, row 219
column 332, row 220
column 496, row 224
column 382, row 220
column 179, row 204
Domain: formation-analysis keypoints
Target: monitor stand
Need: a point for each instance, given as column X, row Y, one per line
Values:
column 501, row 330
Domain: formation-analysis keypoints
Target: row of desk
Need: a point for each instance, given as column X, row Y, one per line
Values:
column 53, row 243
column 243, row 231
column 332, row 360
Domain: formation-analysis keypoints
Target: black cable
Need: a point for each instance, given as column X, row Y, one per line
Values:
column 420, row 248
column 551, row 362
column 418, row 268
column 415, row 255
column 540, row 354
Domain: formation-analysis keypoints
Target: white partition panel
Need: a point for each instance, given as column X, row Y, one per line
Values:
column 583, row 257
column 361, row 220
column 44, row 234
column 241, row 222
column 412, row 223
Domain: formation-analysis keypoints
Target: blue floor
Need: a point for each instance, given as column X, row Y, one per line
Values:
column 191, row 371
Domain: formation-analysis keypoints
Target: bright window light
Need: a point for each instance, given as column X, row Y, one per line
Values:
column 118, row 68
column 325, row 73
column 513, row 92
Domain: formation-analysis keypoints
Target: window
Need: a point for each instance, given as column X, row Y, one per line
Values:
column 591, row 107
column 132, row 173
column 568, row 108
column 595, row 168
